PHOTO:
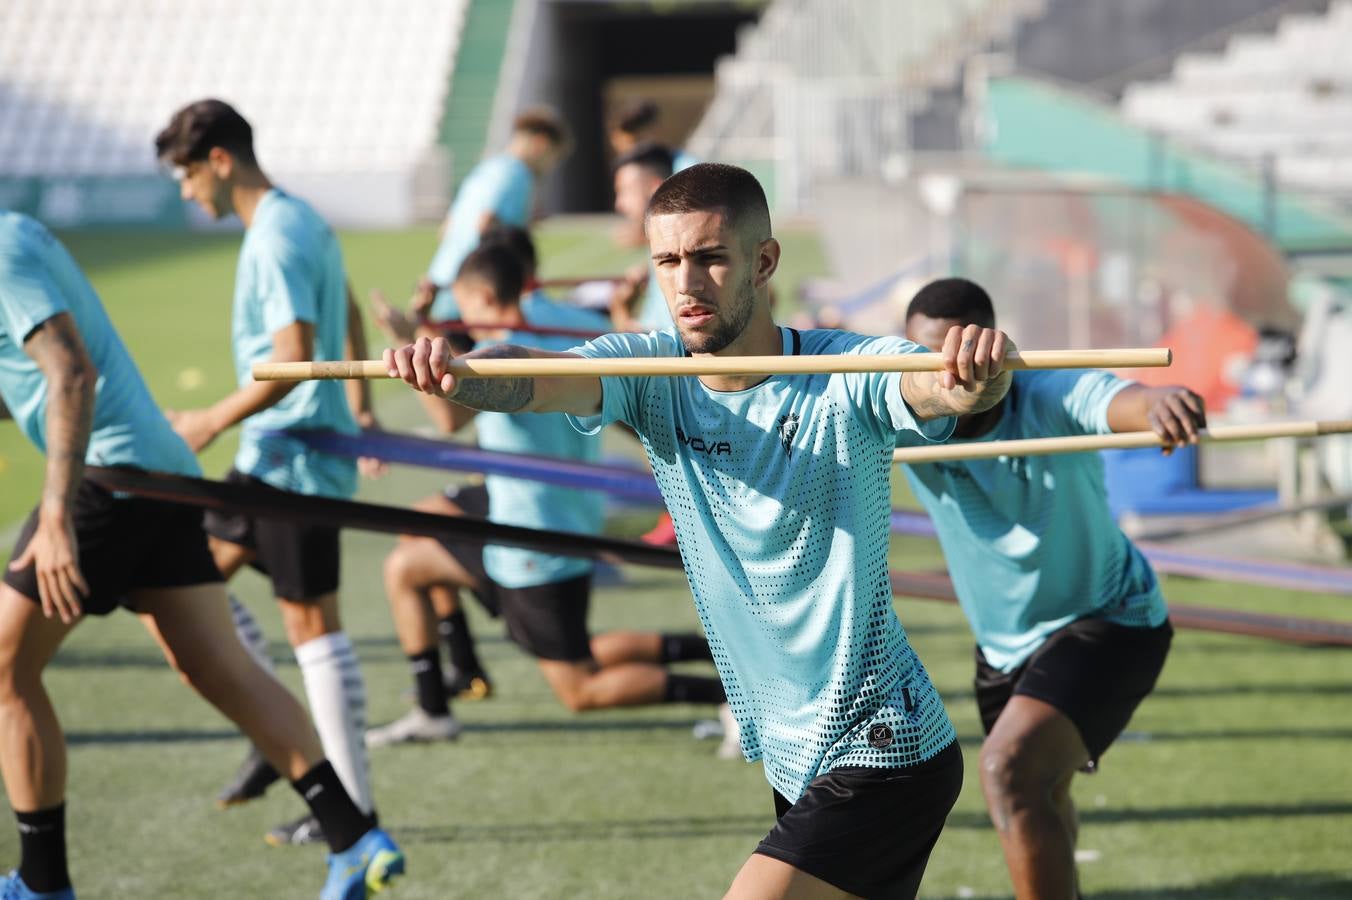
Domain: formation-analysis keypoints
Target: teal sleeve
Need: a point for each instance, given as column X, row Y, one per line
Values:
column 28, row 295
column 283, row 287
column 1073, row 401
column 619, row 395
column 879, row 403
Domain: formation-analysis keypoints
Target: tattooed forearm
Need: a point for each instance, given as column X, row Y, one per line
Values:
column 929, row 400
column 496, row 394
column 71, row 379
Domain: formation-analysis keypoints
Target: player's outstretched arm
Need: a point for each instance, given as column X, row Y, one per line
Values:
column 199, row 427
column 973, row 378
column 1174, row 413
column 59, row 351
column 423, row 364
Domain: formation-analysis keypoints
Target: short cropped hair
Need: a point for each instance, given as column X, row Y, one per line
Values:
column 542, row 121
column 705, row 187
column 198, row 127
column 498, row 266
column 516, row 239
column 953, row 298
column 651, row 157
column 637, row 116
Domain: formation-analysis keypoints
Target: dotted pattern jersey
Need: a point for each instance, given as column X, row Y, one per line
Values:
column 780, row 496
column 1030, row 541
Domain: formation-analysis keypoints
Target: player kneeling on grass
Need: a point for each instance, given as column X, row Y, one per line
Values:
column 784, row 532
column 1071, row 628
column 543, row 597
column 69, row 382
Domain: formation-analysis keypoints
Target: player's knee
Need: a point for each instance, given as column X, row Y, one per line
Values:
column 1010, row 775
column 398, row 565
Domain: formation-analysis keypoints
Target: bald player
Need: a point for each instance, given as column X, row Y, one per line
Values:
column 72, row 388
column 780, row 490
column 1071, row 627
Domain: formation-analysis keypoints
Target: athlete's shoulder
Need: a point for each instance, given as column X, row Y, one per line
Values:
column 632, row 344
column 820, row 341
column 22, row 234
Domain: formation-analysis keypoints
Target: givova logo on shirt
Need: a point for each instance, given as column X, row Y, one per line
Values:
column 700, row 445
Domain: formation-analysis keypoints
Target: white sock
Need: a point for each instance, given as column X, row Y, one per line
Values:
column 251, row 634
column 333, row 684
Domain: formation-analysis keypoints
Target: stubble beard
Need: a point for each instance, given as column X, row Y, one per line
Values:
column 727, row 329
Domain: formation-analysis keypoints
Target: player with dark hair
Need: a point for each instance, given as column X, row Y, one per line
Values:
column 543, row 597
column 292, row 302
column 499, row 190
column 1071, row 628
column 73, row 389
column 638, row 304
column 780, row 490
column 636, row 124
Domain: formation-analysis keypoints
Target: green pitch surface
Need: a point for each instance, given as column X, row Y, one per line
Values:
column 1232, row 781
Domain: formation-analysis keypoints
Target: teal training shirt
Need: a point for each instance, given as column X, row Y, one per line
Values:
column 39, row 280
column 534, row 504
column 291, row 270
column 781, row 499
column 1030, row 541
column 501, row 185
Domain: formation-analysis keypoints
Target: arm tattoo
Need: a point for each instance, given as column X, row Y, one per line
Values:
column 71, row 380
column 496, row 394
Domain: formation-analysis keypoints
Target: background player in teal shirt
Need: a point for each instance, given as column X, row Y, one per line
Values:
column 638, row 303
column 292, row 302
column 1071, row 628
column 72, row 387
column 499, row 190
column 780, row 491
column 543, row 597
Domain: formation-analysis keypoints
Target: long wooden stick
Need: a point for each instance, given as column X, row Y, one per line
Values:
column 1127, row 440
column 574, row 367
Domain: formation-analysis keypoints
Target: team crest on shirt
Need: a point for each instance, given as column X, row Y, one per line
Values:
column 880, row 737
column 788, row 429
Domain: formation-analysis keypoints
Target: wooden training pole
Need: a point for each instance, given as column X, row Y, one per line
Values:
column 1127, row 440
column 577, row 367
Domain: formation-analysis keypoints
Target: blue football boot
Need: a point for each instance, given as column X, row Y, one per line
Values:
column 365, row 868
column 13, row 888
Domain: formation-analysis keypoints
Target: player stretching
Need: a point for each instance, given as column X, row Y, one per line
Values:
column 291, row 303
column 780, row 491
column 543, row 597
column 1071, row 628
column 72, row 388
column 499, row 190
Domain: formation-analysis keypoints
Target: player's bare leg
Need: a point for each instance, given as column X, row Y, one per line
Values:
column 766, row 878
column 1027, row 763
column 584, row 685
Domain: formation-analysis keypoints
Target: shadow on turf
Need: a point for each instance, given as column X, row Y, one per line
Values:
column 667, row 828
column 1305, row 885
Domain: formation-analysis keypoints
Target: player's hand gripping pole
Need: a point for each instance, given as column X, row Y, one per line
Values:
column 1127, row 440
column 577, row 367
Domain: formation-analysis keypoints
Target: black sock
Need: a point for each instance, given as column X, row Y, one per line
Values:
column 426, row 668
column 683, row 647
column 339, row 818
column 693, row 689
column 42, row 849
column 455, row 634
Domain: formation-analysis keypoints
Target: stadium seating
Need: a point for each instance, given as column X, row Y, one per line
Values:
column 1283, row 96
column 85, row 84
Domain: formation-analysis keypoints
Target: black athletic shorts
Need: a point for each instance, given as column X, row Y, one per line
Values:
column 1095, row 671
column 126, row 544
column 302, row 559
column 548, row 621
column 865, row 830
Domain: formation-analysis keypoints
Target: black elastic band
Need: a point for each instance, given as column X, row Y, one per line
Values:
column 269, row 503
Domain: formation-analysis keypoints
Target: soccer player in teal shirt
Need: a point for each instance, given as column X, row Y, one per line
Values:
column 780, row 490
column 292, row 302
column 70, row 385
column 1071, row 628
column 499, row 190
column 638, row 304
column 543, row 597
